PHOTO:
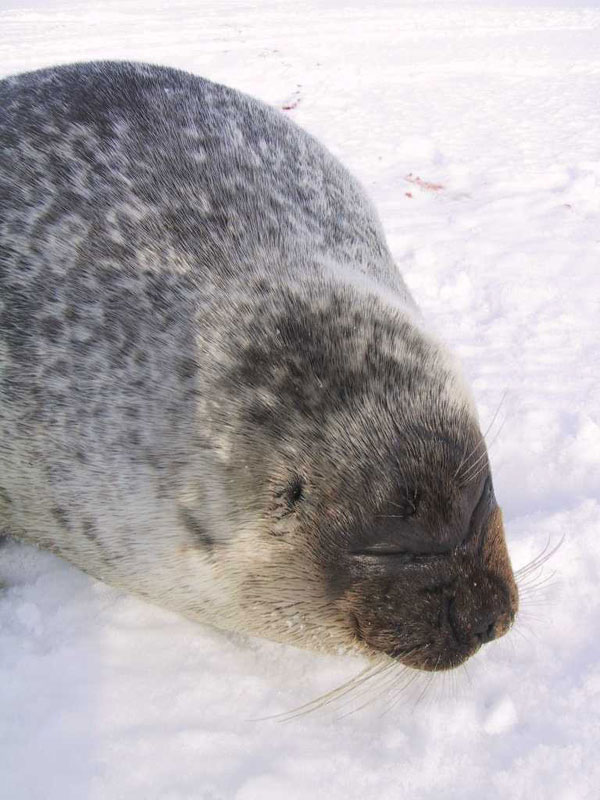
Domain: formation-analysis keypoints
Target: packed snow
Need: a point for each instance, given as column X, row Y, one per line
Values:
column 476, row 130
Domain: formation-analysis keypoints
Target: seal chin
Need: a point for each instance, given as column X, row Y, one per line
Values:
column 426, row 660
column 428, row 657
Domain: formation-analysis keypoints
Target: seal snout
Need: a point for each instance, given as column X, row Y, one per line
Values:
column 436, row 626
column 435, row 611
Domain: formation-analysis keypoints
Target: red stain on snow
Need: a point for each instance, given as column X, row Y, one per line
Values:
column 427, row 186
column 291, row 105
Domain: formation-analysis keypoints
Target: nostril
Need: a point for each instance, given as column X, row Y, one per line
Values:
column 486, row 630
column 489, row 634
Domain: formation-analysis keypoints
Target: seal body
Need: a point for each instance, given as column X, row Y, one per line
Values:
column 215, row 388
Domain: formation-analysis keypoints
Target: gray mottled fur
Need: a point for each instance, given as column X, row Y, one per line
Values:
column 198, row 311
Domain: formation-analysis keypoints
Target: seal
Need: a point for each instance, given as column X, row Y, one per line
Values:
column 216, row 390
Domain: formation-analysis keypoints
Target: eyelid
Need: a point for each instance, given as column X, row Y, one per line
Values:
column 395, row 551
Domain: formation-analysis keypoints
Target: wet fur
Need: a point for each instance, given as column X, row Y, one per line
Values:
column 215, row 387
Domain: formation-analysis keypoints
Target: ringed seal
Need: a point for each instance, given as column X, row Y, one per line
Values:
column 216, row 390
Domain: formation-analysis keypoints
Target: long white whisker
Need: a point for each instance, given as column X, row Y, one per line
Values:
column 539, row 560
column 386, row 687
column 468, row 475
column 332, row 696
column 464, row 461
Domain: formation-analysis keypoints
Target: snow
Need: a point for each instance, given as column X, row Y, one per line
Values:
column 476, row 129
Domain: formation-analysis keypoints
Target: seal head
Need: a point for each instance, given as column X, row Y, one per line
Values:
column 379, row 526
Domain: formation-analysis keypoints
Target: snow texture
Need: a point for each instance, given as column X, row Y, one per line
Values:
column 476, row 130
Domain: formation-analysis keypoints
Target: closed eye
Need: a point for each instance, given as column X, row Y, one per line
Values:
column 397, row 553
column 410, row 548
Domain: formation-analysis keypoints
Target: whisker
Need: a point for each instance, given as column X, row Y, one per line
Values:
column 462, row 460
column 538, row 586
column 527, row 615
column 397, row 692
column 521, row 633
column 535, row 576
column 531, row 633
column 333, row 695
column 482, row 442
column 388, row 685
column 356, row 678
column 539, row 602
column 427, row 684
column 476, row 461
column 539, row 560
column 468, row 476
column 468, row 674
column 502, row 399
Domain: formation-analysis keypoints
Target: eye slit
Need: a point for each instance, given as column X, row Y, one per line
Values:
column 382, row 549
column 396, row 553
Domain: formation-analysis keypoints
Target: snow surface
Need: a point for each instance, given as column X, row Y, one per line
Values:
column 476, row 129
